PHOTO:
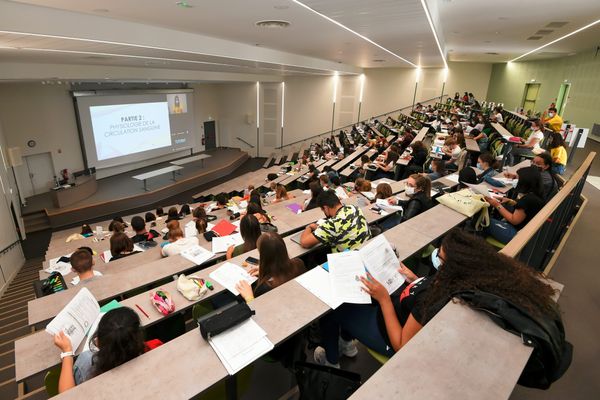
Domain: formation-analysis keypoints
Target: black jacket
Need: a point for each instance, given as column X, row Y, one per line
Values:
column 418, row 203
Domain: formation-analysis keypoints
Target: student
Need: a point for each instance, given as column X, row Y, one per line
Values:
column 141, row 234
column 258, row 212
column 315, row 191
column 160, row 212
column 558, row 153
column 529, row 147
column 275, row 267
column 185, row 210
column 324, row 181
column 481, row 138
column 118, row 339
column 177, row 242
column 384, row 191
column 86, row 230
column 313, row 173
column 553, row 121
column 529, row 202
column 451, row 150
column 497, row 115
column 221, row 200
column 465, row 262
column 173, row 215
column 121, row 246
column 336, row 185
column 82, row 263
column 418, row 156
column 467, row 175
column 150, row 217
column 117, row 225
column 438, row 170
column 247, row 192
column 201, row 219
column 550, row 182
column 250, row 231
column 345, row 226
column 386, row 168
column 485, row 162
column 281, row 194
column 362, row 185
column 418, row 190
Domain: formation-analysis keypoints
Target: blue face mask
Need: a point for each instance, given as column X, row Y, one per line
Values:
column 479, row 166
column 435, row 260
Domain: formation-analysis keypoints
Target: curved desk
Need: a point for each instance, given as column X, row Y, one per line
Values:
column 84, row 187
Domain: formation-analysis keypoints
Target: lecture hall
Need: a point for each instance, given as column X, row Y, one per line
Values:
column 299, row 199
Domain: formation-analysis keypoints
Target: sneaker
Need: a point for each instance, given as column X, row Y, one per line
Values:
column 348, row 348
column 321, row 358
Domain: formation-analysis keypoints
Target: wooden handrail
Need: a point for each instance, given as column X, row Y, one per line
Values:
column 514, row 247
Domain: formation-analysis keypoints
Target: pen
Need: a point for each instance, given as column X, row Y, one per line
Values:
column 143, row 312
column 209, row 285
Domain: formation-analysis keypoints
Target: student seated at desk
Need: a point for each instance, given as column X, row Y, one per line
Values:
column 82, row 263
column 281, row 194
column 467, row 175
column 121, row 246
column 464, row 262
column 117, row 225
column 362, row 185
column 150, row 218
column 160, row 212
column 418, row 156
column 221, row 200
column 141, row 234
column 86, row 230
column 336, row 185
column 384, row 191
column 485, row 162
column 438, row 170
column 451, row 150
column 418, row 190
column 173, row 215
column 250, row 231
column 529, row 193
column 185, row 210
column 345, row 226
column 385, row 169
column 550, row 182
column 275, row 267
column 259, row 213
column 177, row 242
column 528, row 147
column 324, row 181
column 315, row 191
column 247, row 192
column 118, row 339
column 313, row 174
column 201, row 219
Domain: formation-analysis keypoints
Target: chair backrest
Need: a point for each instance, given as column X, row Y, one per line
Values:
column 51, row 381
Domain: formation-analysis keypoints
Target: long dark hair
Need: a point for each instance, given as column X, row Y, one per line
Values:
column 250, row 231
column 119, row 339
column 256, row 208
column 472, row 264
column 275, row 265
column 530, row 181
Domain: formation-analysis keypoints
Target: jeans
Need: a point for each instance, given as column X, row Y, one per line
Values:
column 558, row 169
column 502, row 231
column 357, row 320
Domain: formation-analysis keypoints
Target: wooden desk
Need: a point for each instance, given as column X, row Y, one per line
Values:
column 350, row 158
column 348, row 170
column 502, row 130
column 471, row 145
column 84, row 187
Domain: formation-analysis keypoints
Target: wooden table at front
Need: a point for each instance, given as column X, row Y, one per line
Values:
column 151, row 174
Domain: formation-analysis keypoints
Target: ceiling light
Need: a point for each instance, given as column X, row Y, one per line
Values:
column 353, row 32
column 437, row 41
column 557, row 40
column 378, row 60
column 273, row 24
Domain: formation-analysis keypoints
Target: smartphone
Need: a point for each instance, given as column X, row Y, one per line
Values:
column 252, row 260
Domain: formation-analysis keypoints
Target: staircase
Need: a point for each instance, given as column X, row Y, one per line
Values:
column 36, row 221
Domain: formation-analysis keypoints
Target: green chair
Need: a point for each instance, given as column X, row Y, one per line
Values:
column 378, row 356
column 51, row 381
column 200, row 309
column 494, row 242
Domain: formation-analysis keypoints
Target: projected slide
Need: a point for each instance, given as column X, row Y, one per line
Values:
column 124, row 129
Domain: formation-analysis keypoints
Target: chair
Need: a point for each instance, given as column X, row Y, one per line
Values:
column 378, row 356
column 51, row 381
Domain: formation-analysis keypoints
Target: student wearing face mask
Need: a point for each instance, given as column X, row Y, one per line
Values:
column 553, row 120
column 345, row 227
column 529, row 147
column 550, row 182
column 418, row 191
column 529, row 201
column 485, row 162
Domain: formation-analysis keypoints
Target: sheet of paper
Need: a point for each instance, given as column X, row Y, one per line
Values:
column 62, row 267
column 76, row 319
column 368, row 195
column 344, row 272
column 316, row 281
column 228, row 275
column 197, row 254
column 452, row 177
column 384, row 205
column 381, row 262
column 239, row 346
column 138, row 248
column 190, row 229
column 479, row 189
column 220, row 244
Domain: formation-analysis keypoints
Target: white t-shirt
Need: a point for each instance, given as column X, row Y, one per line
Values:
column 539, row 135
column 179, row 245
column 499, row 117
column 455, row 153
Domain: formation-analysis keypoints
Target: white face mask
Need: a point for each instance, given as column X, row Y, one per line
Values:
column 435, row 260
column 551, row 115
column 515, row 182
column 409, row 190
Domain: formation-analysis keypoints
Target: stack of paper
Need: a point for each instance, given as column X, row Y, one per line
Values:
column 239, row 346
column 197, row 254
column 384, row 205
column 228, row 275
column 54, row 265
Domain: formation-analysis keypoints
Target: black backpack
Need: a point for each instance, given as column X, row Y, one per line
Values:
column 552, row 354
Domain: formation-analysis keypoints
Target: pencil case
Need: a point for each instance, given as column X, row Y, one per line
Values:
column 223, row 319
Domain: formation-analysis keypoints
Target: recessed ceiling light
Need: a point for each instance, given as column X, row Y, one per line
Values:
column 100, row 10
column 273, row 24
column 183, row 4
column 491, row 53
column 378, row 60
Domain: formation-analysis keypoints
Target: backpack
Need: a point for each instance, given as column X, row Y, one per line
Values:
column 551, row 355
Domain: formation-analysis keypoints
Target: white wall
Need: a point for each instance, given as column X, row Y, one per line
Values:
column 11, row 261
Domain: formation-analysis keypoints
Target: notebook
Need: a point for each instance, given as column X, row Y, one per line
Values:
column 295, row 208
column 224, row 228
column 296, row 237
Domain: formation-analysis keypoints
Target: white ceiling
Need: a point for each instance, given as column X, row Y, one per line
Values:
column 467, row 29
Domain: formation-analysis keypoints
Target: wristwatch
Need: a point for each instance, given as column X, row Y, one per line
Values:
column 66, row 354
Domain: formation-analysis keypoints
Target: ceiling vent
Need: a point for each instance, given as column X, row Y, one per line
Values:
column 557, row 24
column 273, row 24
column 544, row 31
column 97, row 58
column 378, row 60
column 534, row 38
